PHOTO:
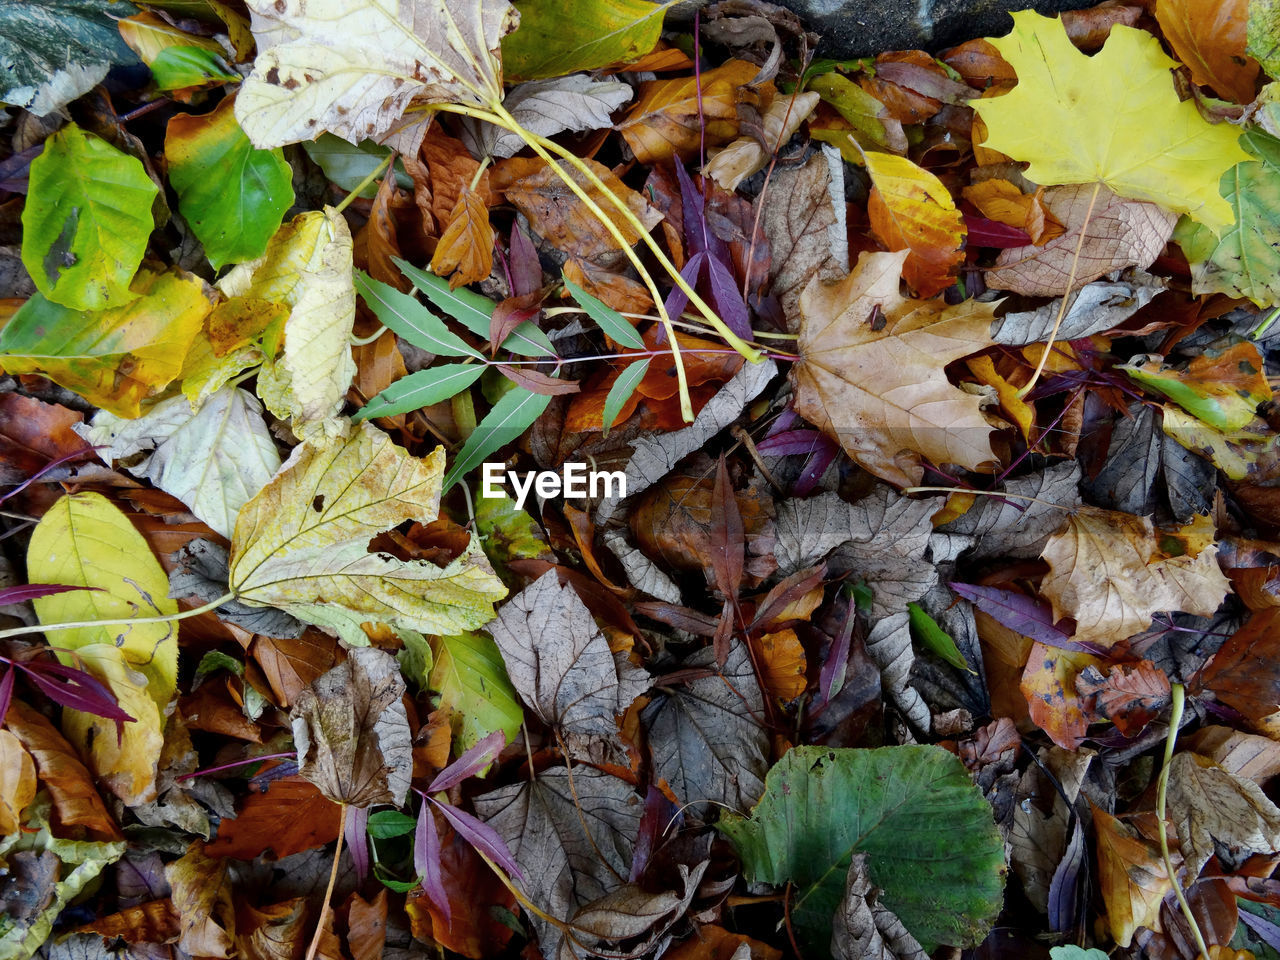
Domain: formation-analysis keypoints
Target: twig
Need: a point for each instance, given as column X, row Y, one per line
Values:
column 333, row 877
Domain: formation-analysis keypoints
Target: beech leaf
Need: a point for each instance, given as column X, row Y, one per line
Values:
column 352, row 731
column 547, row 107
column 1209, row 806
column 302, row 543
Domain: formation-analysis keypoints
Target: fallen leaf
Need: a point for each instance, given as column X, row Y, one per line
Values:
column 474, row 688
column 706, row 735
column 865, row 929
column 1108, row 572
column 464, row 252
column 287, row 816
column 1119, row 111
column 1096, row 307
column 563, row 36
column 547, row 107
column 290, row 664
column 668, row 120
column 1243, row 754
column 1049, row 682
column 911, row 210
column 353, row 71
column 783, row 664
column 1117, row 233
column 1242, row 673
column 472, row 927
column 214, row 459
column 1128, row 696
column 307, row 267
column 881, row 392
column 17, row 781
column 352, row 732
column 632, row 918
column 202, row 900
column 1004, row 202
column 301, row 544
column 155, row 921
column 710, row 942
column 560, row 663
column 798, row 226
column 1209, row 806
column 275, row 932
column 1210, row 39
column 1223, row 388
column 749, row 155
column 367, row 926
column 1131, row 875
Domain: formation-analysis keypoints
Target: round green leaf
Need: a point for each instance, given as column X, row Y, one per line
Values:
column 86, row 222
column 232, row 194
column 932, row 843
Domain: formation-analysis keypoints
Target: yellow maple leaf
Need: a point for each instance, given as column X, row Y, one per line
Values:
column 1113, row 118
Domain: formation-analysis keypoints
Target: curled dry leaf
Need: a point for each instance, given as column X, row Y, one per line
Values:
column 352, row 732
column 1209, row 806
column 1107, row 571
column 882, row 393
column 202, row 899
column 464, row 252
column 748, row 155
column 864, row 928
column 17, row 781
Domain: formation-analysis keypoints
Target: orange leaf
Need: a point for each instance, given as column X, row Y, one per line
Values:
column 664, row 121
column 716, row 943
column 1132, row 877
column 464, row 252
column 288, row 818
column 153, row 922
column 472, row 930
column 17, row 781
column 291, row 665
column 1003, row 202
column 620, row 292
column 911, row 210
column 1049, row 684
column 451, row 170
column 367, row 926
column 783, row 664
column 1209, row 37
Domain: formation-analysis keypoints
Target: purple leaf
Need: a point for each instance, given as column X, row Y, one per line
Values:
column 783, row 423
column 33, row 591
column 791, row 442
column 426, row 860
column 75, row 455
column 831, row 677
column 693, row 208
column 659, row 812
column 677, row 300
column 481, row 836
column 993, row 234
column 470, row 763
column 6, row 692
column 815, row 468
column 526, row 270
column 75, row 689
column 1264, row 928
column 1066, row 880
column 356, row 831
column 728, row 298
column 1021, row 614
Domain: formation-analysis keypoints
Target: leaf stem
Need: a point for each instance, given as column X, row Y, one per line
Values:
column 333, row 877
column 366, row 182
column 77, row 624
column 1162, row 791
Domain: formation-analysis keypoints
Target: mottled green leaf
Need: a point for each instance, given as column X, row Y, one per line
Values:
column 473, row 686
column 175, row 68
column 557, row 37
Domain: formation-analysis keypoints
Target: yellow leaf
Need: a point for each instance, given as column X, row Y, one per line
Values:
column 17, row 781
column 911, row 210
column 239, row 333
column 1107, row 571
column 116, row 358
column 1132, row 877
column 84, row 540
column 783, row 664
column 302, row 543
column 465, row 249
column 125, row 765
column 1119, row 112
column 307, row 267
column 882, row 393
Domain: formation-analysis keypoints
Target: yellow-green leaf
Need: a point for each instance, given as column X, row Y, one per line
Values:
column 475, row 689
column 558, row 37
column 301, row 544
column 85, row 541
column 114, row 358
column 307, row 267
column 1119, row 113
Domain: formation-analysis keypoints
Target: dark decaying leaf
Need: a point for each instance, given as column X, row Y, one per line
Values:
column 352, row 732
column 630, row 919
column 863, row 928
column 706, row 735
column 201, row 573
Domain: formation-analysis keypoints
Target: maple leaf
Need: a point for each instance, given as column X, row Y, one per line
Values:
column 882, row 393
column 1115, row 117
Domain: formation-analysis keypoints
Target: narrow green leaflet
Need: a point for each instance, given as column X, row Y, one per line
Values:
column 421, row 389
column 610, row 320
column 86, row 222
column 557, row 37
column 406, row 317
column 232, row 194
column 177, row 67
column 1246, row 261
column 475, row 312
column 474, row 688
column 53, row 51
column 510, row 417
column 925, row 629
column 621, row 392
column 932, row 844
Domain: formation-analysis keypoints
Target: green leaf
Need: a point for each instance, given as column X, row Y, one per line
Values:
column 408, row 318
column 621, row 391
column 1072, row 952
column 558, row 37
column 86, row 222
column 386, row 824
column 474, row 688
column 53, row 51
column 177, row 67
column 1246, row 939
column 925, row 629
column 610, row 320
column 1245, row 262
column 932, row 844
column 349, row 164
column 508, row 533
column 416, row 659
column 509, row 418
column 232, row 194
column 859, row 108
column 1264, row 35
column 475, row 312
column 216, row 660
column 421, row 389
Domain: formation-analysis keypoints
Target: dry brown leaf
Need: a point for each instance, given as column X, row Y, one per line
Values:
column 1118, row 233
column 1132, row 877
column 352, row 731
column 287, row 817
column 290, row 665
column 1245, row 673
column 1106, row 572
column 1244, row 754
column 1130, row 695
column 17, row 781
column 451, row 169
column 562, row 220
column 1049, row 684
column 1210, row 806
column 378, row 237
column 746, row 155
column 367, row 926
column 716, row 943
column 472, row 928
column 202, row 899
column 618, row 291
column 464, row 252
column 155, row 921
column 665, row 122
column 276, row 932
column 1209, row 36
column 798, row 217
column 864, row 928
column 882, row 393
